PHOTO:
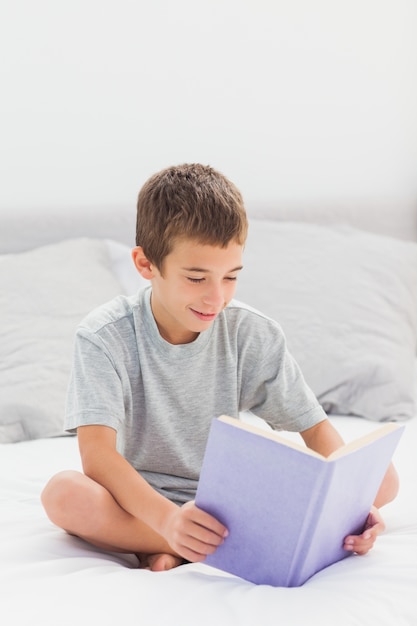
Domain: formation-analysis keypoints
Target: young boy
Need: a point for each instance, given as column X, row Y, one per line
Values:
column 152, row 370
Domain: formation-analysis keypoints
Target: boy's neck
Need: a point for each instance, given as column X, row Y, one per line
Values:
column 177, row 339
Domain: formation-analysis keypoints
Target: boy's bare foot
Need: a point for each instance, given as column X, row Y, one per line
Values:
column 159, row 562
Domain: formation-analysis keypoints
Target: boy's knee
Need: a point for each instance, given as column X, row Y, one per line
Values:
column 58, row 494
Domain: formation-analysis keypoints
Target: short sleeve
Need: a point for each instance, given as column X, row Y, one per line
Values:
column 95, row 393
column 273, row 386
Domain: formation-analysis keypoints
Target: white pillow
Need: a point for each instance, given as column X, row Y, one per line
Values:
column 44, row 293
column 347, row 301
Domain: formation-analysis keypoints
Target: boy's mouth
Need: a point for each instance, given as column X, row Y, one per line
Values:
column 206, row 317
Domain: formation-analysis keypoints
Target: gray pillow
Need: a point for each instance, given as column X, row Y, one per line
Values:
column 44, row 293
column 347, row 301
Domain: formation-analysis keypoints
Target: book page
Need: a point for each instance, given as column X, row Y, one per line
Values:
column 346, row 449
column 363, row 441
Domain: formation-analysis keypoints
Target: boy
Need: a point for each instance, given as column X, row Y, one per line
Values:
column 152, row 370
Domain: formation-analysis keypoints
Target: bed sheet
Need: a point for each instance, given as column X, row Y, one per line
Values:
column 48, row 577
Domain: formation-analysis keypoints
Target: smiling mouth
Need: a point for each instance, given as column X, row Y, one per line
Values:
column 204, row 316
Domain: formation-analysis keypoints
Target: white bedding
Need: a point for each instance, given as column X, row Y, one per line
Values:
column 50, row 578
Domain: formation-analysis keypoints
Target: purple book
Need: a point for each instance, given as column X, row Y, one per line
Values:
column 286, row 507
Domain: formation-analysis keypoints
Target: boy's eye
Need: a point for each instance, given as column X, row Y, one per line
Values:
column 200, row 280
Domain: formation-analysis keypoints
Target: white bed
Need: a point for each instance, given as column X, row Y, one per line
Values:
column 347, row 300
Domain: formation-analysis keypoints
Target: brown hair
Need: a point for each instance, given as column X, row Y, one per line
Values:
column 188, row 201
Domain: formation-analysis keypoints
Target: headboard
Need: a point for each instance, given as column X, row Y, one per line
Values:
column 23, row 229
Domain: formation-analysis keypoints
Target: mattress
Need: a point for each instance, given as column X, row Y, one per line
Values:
column 48, row 577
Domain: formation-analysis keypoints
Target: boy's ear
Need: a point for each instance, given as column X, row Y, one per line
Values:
column 142, row 264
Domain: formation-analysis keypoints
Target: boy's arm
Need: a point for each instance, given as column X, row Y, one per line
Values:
column 190, row 532
column 324, row 439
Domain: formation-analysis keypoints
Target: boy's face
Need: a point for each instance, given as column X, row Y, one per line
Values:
column 198, row 281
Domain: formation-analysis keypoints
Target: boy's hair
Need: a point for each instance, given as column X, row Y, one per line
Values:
column 190, row 201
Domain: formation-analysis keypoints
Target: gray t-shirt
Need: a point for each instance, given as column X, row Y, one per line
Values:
column 161, row 398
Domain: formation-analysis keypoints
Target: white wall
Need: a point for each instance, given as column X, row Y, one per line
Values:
column 297, row 101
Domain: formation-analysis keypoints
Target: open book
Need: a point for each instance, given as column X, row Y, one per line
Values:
column 287, row 508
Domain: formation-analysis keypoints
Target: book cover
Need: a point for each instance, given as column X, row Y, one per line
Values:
column 286, row 507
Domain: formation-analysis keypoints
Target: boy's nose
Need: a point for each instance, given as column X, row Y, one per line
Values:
column 214, row 296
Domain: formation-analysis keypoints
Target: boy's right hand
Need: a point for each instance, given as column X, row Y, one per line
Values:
column 193, row 533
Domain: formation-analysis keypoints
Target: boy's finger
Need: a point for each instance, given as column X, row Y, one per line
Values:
column 209, row 522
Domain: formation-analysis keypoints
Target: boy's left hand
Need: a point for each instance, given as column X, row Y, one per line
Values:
column 361, row 544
